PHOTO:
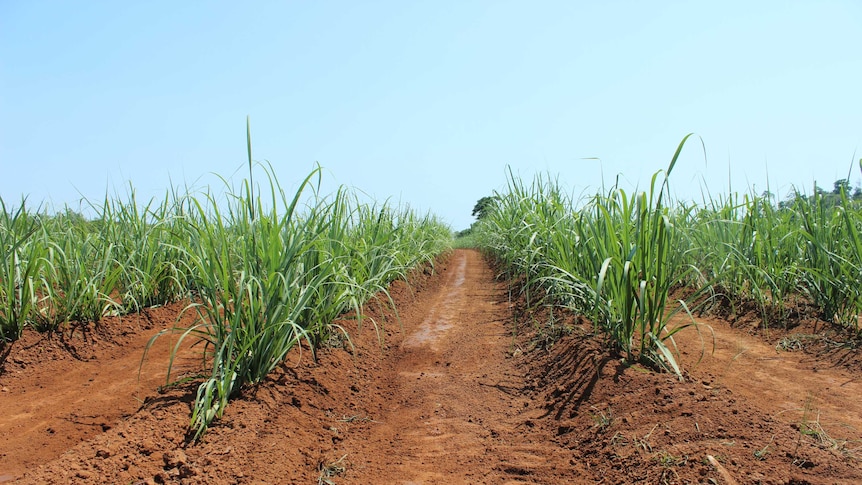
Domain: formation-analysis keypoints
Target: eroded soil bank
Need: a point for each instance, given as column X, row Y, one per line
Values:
column 449, row 391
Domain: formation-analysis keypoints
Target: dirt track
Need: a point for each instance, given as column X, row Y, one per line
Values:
column 451, row 395
column 456, row 411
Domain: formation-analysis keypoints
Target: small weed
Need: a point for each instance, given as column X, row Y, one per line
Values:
column 602, row 419
column 795, row 342
column 351, row 419
column 761, row 453
column 807, row 427
column 668, row 476
column 643, row 443
column 813, row 429
column 336, row 340
column 330, row 470
column 619, row 440
column 549, row 333
column 668, row 460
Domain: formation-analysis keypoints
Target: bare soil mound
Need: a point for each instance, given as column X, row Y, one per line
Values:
column 454, row 389
column 733, row 420
column 58, row 390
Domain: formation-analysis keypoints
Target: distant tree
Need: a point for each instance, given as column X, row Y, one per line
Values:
column 790, row 199
column 483, row 207
column 464, row 233
column 841, row 184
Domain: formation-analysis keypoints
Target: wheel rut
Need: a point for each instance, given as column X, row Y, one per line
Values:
column 457, row 412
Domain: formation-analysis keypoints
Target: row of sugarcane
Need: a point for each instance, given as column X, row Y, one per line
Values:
column 262, row 269
column 618, row 257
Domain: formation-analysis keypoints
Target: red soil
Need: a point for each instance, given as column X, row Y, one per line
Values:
column 445, row 393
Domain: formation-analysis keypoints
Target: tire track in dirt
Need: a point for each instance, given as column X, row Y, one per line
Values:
column 796, row 388
column 457, row 411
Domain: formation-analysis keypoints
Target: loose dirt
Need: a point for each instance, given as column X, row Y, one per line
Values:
column 58, row 390
column 456, row 407
column 463, row 385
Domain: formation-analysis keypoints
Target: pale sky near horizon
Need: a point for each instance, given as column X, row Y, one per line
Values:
column 427, row 102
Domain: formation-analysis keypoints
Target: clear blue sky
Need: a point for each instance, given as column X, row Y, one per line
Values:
column 427, row 102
